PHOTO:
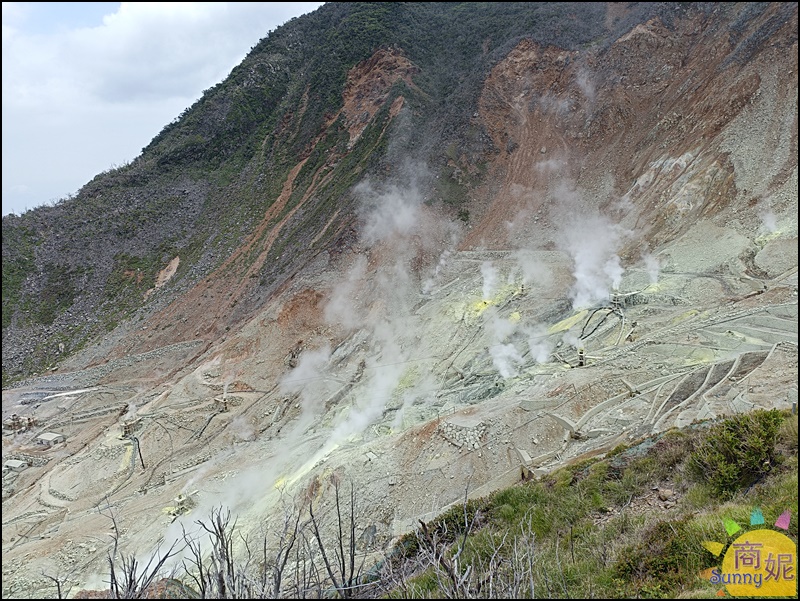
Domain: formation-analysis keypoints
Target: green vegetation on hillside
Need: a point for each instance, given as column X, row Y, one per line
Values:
column 581, row 533
column 18, row 264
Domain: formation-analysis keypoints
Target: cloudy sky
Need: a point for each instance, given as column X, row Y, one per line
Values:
column 87, row 85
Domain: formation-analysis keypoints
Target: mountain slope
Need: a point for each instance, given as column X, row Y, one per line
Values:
column 261, row 141
column 421, row 245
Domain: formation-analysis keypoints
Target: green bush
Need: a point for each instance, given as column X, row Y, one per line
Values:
column 667, row 558
column 737, row 452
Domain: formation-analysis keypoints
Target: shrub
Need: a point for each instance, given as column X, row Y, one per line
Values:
column 666, row 558
column 737, row 452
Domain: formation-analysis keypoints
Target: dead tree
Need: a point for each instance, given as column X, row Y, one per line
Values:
column 220, row 575
column 251, row 574
column 286, row 542
column 128, row 578
column 311, row 557
column 59, row 581
column 340, row 560
column 454, row 579
column 502, row 568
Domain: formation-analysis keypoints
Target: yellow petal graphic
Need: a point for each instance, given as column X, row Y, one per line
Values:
column 713, row 547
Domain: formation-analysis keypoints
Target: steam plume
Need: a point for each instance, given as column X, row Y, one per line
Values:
column 489, row 274
column 653, row 267
column 593, row 242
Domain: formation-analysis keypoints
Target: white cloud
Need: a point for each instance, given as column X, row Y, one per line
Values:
column 80, row 97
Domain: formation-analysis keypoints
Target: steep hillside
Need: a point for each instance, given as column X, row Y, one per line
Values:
column 265, row 161
column 422, row 246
